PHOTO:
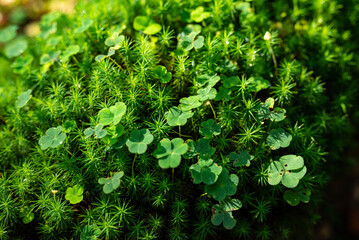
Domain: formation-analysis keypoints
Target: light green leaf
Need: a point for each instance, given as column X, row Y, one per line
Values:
column 23, row 98
column 152, row 29
column 53, row 138
column 177, row 117
column 169, row 152
column 111, row 183
column 138, row 141
column 68, row 52
column 90, row 232
column 85, row 25
column 226, row 185
column 205, row 171
column 8, row 33
column 278, row 138
column 207, row 93
column 15, row 48
column 113, row 114
column 189, row 103
column 74, row 195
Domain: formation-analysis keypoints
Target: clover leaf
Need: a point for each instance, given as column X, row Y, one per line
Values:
column 90, row 232
column 21, row 63
column 169, row 152
column 226, row 185
column 230, row 205
column 230, row 82
column 189, row 41
column 293, row 198
column 264, row 112
column 114, row 132
column 278, row 138
column 223, row 94
column 8, row 33
column 222, row 216
column 84, row 26
column 147, row 25
column 15, row 48
column 288, row 170
column 98, row 131
column 278, row 114
column 138, row 141
column 177, row 117
column 161, row 73
column 257, row 84
column 69, row 51
column 189, row 103
column 211, row 80
column 113, row 114
column 205, row 171
column 242, row 159
column 198, row 15
column 53, row 138
column 209, row 129
column 115, row 40
column 74, row 195
column 206, row 93
column 203, row 148
column 49, row 57
column 23, row 98
column 111, row 183
column 68, row 126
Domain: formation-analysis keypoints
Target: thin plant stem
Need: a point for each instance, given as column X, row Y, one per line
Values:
column 173, row 174
column 179, row 131
column 214, row 114
column 133, row 164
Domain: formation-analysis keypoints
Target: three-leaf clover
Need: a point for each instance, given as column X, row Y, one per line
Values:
column 209, row 129
column 15, row 48
column 169, row 152
column 98, row 131
column 115, row 40
column 160, row 72
column 211, row 80
column 293, row 198
column 205, row 171
column 84, row 26
column 111, row 183
column 242, row 159
column 189, row 103
column 138, row 141
column 74, row 195
column 206, row 93
column 113, row 114
column 69, row 51
column 203, row 148
column 90, row 232
column 23, row 98
column 198, row 15
column 190, row 41
column 177, row 117
column 8, row 33
column 53, row 138
column 226, row 185
column 288, row 170
column 230, row 81
column 147, row 25
column 223, row 212
column 278, row 138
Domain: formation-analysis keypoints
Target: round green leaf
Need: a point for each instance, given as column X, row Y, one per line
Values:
column 278, row 138
column 291, row 197
column 74, row 195
column 177, row 117
column 275, row 173
column 90, row 232
column 189, row 103
column 141, row 22
column 169, row 152
column 8, row 33
column 152, row 29
column 224, row 186
column 15, row 48
column 112, row 183
column 53, row 138
column 209, row 129
column 23, row 98
column 113, row 114
column 207, row 93
column 138, row 141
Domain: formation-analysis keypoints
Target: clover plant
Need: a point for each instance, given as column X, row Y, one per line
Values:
column 182, row 119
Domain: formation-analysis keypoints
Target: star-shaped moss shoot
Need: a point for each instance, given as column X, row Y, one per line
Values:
column 242, row 159
column 169, row 152
column 205, row 171
column 288, row 170
column 278, row 138
column 138, row 141
column 222, row 213
column 113, row 114
column 177, row 117
column 209, row 129
column 53, row 138
column 74, row 194
column 189, row 103
column 111, row 183
column 226, row 185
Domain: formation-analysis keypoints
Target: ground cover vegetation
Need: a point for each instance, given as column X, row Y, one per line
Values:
column 175, row 119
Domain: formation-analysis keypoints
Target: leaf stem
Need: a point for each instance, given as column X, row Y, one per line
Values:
column 133, row 164
column 214, row 114
column 179, row 131
column 173, row 174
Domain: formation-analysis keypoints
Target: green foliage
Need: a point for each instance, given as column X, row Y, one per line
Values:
column 239, row 98
column 112, row 183
column 169, row 152
column 53, row 138
column 74, row 194
column 138, row 141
